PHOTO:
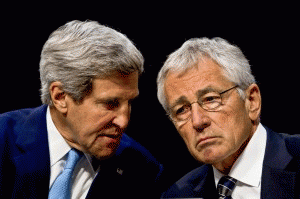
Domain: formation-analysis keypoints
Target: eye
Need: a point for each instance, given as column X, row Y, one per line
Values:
column 182, row 110
column 211, row 98
column 112, row 104
column 211, row 101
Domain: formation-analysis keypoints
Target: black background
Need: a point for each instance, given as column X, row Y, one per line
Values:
column 267, row 34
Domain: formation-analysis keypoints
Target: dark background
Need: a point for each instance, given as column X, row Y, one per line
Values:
column 267, row 34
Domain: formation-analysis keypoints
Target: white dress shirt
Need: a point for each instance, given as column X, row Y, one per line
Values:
column 248, row 167
column 83, row 174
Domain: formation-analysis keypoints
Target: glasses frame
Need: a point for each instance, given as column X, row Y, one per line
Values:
column 200, row 104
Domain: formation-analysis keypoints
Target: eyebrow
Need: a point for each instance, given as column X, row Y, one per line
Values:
column 109, row 99
column 200, row 93
column 180, row 100
column 105, row 100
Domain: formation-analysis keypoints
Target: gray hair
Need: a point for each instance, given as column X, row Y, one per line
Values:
column 230, row 58
column 78, row 51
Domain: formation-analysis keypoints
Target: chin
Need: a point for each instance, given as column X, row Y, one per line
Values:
column 104, row 153
column 104, row 148
column 208, row 156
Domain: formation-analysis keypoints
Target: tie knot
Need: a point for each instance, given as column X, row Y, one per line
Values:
column 226, row 186
column 73, row 158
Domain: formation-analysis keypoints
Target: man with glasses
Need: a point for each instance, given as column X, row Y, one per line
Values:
column 210, row 95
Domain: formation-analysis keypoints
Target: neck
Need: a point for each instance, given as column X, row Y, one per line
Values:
column 63, row 128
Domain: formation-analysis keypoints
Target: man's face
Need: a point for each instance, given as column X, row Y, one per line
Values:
column 97, row 124
column 211, row 137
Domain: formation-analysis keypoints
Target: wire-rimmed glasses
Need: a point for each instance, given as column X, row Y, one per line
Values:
column 209, row 101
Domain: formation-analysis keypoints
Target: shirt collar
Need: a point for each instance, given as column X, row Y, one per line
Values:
column 58, row 147
column 248, row 167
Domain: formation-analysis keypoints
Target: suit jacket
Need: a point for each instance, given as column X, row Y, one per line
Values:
column 25, row 162
column 280, row 175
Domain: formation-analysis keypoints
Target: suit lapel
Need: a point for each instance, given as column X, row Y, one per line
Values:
column 109, row 181
column 33, row 162
column 206, row 188
column 277, row 182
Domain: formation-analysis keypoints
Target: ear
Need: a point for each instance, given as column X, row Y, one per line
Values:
column 253, row 102
column 58, row 97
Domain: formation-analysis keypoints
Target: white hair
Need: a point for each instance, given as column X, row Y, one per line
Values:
column 230, row 58
column 79, row 51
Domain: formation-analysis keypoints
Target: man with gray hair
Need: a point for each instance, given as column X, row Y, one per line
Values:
column 210, row 95
column 74, row 145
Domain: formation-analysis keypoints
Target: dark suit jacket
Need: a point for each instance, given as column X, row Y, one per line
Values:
column 25, row 162
column 280, row 175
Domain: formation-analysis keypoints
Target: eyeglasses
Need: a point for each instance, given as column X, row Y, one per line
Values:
column 210, row 101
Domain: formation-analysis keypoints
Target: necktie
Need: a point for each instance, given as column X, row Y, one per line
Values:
column 62, row 185
column 225, row 187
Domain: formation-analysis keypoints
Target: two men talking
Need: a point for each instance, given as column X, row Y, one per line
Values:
column 74, row 146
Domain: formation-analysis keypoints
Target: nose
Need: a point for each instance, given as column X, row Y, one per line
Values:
column 122, row 116
column 200, row 120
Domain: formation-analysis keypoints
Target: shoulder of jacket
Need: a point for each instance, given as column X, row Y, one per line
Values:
column 292, row 143
column 131, row 151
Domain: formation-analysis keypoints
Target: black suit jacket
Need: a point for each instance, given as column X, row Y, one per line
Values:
column 25, row 162
column 280, row 175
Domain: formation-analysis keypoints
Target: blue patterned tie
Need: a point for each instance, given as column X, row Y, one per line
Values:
column 225, row 187
column 62, row 185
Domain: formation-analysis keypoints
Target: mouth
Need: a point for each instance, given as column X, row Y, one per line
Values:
column 112, row 136
column 206, row 140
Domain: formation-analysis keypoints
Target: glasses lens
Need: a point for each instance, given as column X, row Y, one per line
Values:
column 211, row 101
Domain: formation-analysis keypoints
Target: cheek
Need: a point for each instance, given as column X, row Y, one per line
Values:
column 89, row 125
column 233, row 121
column 235, row 128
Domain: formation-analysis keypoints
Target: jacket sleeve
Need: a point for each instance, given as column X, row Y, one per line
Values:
column 7, row 170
